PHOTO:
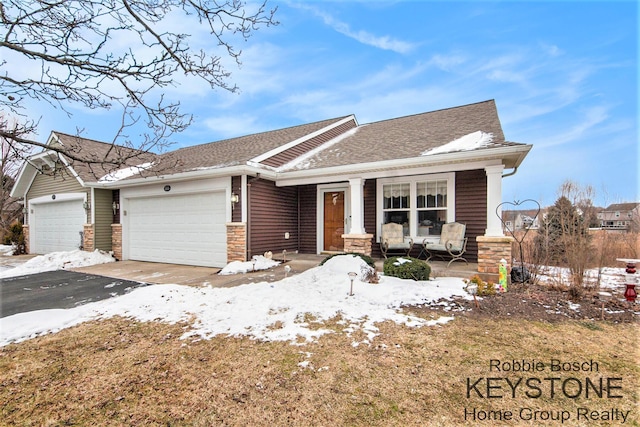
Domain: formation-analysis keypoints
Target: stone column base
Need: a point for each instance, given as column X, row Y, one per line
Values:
column 88, row 242
column 116, row 241
column 236, row 241
column 358, row 243
column 490, row 251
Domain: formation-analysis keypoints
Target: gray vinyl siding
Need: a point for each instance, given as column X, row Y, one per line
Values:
column 60, row 182
column 103, row 219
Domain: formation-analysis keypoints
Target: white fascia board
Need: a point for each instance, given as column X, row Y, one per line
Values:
column 185, row 176
column 458, row 161
column 29, row 171
column 291, row 144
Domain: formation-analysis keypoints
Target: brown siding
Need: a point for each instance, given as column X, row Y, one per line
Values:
column 307, row 195
column 288, row 155
column 236, row 187
column 471, row 207
column 273, row 211
column 115, row 198
column 370, row 221
column 60, row 182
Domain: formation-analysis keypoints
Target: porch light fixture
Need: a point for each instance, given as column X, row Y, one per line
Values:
column 234, row 198
column 86, row 206
column 115, row 206
column 352, row 275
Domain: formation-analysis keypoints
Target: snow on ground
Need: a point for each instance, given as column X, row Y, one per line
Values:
column 58, row 261
column 260, row 263
column 280, row 311
column 6, row 250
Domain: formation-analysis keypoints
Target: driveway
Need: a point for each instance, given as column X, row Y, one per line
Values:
column 57, row 289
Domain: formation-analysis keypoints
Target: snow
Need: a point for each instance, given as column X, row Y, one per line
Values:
column 58, row 261
column 288, row 310
column 127, row 172
column 468, row 142
column 237, row 267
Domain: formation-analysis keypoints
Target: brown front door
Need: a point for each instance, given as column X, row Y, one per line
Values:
column 333, row 220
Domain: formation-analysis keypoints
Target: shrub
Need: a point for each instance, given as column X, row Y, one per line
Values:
column 484, row 288
column 365, row 258
column 407, row 268
column 16, row 237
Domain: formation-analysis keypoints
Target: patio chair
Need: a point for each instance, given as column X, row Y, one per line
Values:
column 452, row 243
column 392, row 240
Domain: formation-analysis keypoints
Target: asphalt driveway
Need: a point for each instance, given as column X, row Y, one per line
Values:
column 57, row 289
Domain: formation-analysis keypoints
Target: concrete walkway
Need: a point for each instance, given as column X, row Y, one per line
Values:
column 158, row 273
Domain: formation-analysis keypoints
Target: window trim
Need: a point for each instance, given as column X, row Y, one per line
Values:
column 412, row 180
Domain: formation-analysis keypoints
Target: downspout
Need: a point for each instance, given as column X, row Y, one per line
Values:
column 513, row 172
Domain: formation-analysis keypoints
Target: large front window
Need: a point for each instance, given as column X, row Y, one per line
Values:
column 421, row 204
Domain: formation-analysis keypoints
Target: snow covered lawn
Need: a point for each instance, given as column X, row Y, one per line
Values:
column 278, row 311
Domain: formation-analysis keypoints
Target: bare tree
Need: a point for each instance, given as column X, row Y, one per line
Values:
column 10, row 208
column 104, row 54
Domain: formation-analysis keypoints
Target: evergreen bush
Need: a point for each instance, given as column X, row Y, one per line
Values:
column 407, row 268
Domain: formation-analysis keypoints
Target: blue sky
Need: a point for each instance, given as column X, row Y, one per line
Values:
column 563, row 74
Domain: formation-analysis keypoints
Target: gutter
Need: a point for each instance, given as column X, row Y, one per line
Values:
column 513, row 172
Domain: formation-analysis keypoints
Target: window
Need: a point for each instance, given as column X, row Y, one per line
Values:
column 422, row 204
column 396, row 205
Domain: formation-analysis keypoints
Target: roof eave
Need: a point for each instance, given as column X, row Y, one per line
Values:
column 510, row 157
column 185, row 176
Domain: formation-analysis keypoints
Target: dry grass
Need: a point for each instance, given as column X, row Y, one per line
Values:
column 119, row 372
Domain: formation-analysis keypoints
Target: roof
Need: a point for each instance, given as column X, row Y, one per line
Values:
column 235, row 151
column 101, row 157
column 411, row 136
column 622, row 207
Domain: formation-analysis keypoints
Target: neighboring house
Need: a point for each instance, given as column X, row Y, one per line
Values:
column 320, row 187
column 514, row 220
column 620, row 216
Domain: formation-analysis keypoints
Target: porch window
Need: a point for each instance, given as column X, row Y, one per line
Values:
column 421, row 203
column 396, row 205
column 431, row 206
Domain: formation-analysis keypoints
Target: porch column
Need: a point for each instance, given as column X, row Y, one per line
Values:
column 494, row 198
column 357, row 206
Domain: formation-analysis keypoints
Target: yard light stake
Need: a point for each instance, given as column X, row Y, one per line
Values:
column 284, row 255
column 352, row 276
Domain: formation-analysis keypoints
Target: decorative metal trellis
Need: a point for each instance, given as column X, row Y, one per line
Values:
column 511, row 230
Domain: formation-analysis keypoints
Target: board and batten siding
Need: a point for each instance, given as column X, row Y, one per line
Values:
column 236, row 188
column 471, row 207
column 273, row 211
column 61, row 182
column 103, row 218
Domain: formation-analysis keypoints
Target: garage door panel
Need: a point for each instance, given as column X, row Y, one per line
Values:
column 181, row 229
column 57, row 226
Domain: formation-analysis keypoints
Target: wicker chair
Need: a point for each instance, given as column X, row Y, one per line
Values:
column 392, row 240
column 452, row 242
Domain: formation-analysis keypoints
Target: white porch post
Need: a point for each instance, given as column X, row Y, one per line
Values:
column 494, row 198
column 357, row 206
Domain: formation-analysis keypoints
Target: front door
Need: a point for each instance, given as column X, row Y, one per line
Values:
column 334, row 221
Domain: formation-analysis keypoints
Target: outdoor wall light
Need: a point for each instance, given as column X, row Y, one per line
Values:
column 352, row 275
column 167, row 188
column 115, row 206
column 235, row 198
column 86, row 206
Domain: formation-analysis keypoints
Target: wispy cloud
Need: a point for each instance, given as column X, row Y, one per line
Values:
column 364, row 37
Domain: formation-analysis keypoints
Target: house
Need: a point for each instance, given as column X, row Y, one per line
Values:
column 515, row 220
column 319, row 187
column 620, row 217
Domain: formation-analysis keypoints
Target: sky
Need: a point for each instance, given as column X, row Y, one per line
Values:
column 564, row 76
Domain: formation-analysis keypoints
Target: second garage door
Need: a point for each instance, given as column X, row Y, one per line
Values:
column 57, row 226
column 185, row 229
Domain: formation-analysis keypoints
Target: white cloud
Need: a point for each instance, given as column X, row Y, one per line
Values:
column 364, row 37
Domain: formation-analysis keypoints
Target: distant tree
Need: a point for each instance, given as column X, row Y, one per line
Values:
column 10, row 208
column 563, row 238
column 104, row 54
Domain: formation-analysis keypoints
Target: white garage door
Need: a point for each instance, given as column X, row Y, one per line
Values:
column 183, row 229
column 56, row 226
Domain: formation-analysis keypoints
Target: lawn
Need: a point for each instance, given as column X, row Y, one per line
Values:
column 124, row 372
